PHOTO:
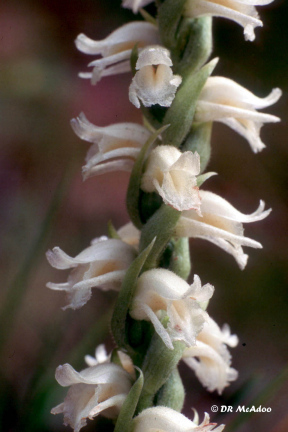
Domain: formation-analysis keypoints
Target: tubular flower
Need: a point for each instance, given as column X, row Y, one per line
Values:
column 97, row 389
column 115, row 147
column 154, row 82
column 210, row 358
column 241, row 11
column 135, row 5
column 226, row 101
column 102, row 265
column 221, row 224
column 162, row 290
column 167, row 420
column 116, row 48
column 173, row 175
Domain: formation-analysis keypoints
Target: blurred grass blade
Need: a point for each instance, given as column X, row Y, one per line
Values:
column 263, row 398
column 19, row 285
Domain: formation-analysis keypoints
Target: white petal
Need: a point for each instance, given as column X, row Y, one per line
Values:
column 119, row 165
column 214, row 204
column 154, row 55
column 121, row 39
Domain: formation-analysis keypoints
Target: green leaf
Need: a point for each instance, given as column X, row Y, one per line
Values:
column 147, row 17
column 158, row 365
column 161, row 225
column 118, row 323
column 134, row 58
column 133, row 192
column 194, row 45
column 124, row 420
column 169, row 17
column 172, row 393
column 202, row 178
column 112, row 233
column 199, row 139
column 181, row 113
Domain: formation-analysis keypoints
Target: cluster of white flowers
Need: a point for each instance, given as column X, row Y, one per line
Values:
column 176, row 310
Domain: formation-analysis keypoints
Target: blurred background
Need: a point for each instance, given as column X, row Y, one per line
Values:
column 44, row 203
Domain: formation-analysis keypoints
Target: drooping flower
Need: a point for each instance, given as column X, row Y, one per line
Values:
column 173, row 175
column 165, row 419
column 102, row 265
column 154, row 82
column 220, row 224
column 224, row 100
column 162, row 290
column 114, row 148
column 96, row 389
column 135, row 5
column 241, row 11
column 210, row 358
column 116, row 48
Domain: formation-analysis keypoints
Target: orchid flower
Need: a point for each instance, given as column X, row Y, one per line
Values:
column 97, row 389
column 165, row 419
column 173, row 175
column 115, row 147
column 241, row 11
column 162, row 290
column 221, row 224
column 116, row 48
column 154, row 82
column 210, row 358
column 224, row 100
column 135, row 5
column 103, row 265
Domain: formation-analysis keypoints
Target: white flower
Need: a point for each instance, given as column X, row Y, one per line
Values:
column 116, row 48
column 115, row 147
column 210, row 358
column 162, row 290
column 165, row 419
column 173, row 175
column 241, row 11
column 135, row 5
column 97, row 389
column 221, row 224
column 103, row 265
column 224, row 100
column 154, row 82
